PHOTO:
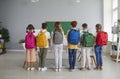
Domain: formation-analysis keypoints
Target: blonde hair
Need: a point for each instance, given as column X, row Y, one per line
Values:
column 57, row 27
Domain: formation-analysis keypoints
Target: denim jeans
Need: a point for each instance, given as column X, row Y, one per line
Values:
column 72, row 58
column 98, row 53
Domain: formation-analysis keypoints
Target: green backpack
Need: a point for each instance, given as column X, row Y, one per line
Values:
column 87, row 39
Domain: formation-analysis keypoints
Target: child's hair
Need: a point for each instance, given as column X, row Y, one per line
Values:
column 44, row 25
column 74, row 23
column 30, row 27
column 84, row 25
column 98, row 27
column 57, row 27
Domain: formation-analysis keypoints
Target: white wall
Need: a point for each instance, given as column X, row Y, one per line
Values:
column 107, row 17
column 19, row 13
column 118, row 9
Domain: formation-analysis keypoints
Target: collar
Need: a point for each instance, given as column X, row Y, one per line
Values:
column 44, row 30
column 74, row 28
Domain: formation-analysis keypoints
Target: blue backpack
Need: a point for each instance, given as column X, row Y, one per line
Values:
column 73, row 36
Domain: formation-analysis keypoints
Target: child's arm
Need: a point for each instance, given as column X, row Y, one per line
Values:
column 49, row 40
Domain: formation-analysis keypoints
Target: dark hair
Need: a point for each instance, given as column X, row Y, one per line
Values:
column 74, row 23
column 98, row 26
column 84, row 25
column 44, row 25
column 30, row 27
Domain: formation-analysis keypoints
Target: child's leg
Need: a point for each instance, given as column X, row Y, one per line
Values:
column 101, row 62
column 70, row 58
column 88, row 57
column 44, row 57
column 56, row 56
column 40, row 54
column 74, row 58
column 83, row 53
column 27, row 59
column 60, row 55
column 33, row 57
column 97, row 56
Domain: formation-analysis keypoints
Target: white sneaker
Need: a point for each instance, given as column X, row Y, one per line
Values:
column 28, row 68
column 56, row 70
column 72, row 70
column 44, row 69
column 32, row 68
column 59, row 70
column 39, row 68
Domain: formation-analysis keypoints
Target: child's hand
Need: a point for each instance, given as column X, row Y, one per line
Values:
column 92, row 49
column 36, row 49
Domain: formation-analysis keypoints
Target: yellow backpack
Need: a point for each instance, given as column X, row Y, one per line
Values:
column 41, row 40
column 1, row 45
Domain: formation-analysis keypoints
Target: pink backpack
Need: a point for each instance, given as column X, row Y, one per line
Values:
column 30, row 40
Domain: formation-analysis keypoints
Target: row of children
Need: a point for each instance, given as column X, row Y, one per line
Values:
column 43, row 39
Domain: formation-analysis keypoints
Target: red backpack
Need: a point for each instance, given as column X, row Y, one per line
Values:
column 102, row 38
column 30, row 40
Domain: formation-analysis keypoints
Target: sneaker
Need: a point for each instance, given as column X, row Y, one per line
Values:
column 82, row 68
column 56, row 70
column 28, row 68
column 32, row 68
column 88, row 68
column 44, row 69
column 71, row 70
column 39, row 68
column 59, row 70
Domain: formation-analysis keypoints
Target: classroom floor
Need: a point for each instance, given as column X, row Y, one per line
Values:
column 11, row 68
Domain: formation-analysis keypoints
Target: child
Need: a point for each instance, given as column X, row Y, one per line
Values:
column 30, row 48
column 73, row 37
column 98, row 49
column 86, row 46
column 58, row 45
column 43, row 41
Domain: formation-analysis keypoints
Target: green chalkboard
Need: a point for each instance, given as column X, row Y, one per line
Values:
column 66, row 25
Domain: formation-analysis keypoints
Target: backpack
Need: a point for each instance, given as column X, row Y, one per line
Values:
column 41, row 40
column 30, row 40
column 73, row 37
column 87, row 39
column 57, row 37
column 102, row 38
column 1, row 43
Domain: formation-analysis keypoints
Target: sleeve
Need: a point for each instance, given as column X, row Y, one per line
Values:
column 48, row 35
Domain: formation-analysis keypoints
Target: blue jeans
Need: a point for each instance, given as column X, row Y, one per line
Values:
column 72, row 57
column 98, row 53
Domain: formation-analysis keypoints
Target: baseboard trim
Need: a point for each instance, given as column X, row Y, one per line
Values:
column 10, row 50
column 15, row 50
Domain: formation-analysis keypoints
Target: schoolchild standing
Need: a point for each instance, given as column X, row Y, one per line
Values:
column 58, row 45
column 30, row 48
column 87, row 42
column 101, row 39
column 73, row 38
column 43, row 41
